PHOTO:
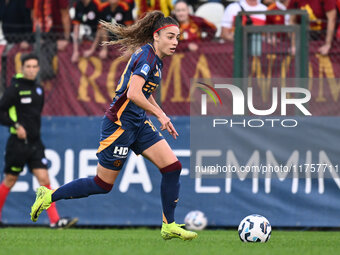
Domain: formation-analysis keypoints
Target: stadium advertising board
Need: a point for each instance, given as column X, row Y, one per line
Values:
column 287, row 199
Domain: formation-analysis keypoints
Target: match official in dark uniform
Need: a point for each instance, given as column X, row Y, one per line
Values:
column 20, row 109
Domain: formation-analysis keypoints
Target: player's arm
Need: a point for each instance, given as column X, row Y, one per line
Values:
column 292, row 21
column 95, row 43
column 9, row 99
column 331, row 19
column 209, row 28
column 76, row 27
column 75, row 54
column 136, row 95
column 153, row 102
column 227, row 32
column 66, row 22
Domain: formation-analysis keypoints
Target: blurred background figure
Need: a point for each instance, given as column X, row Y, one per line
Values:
column 278, row 19
column 52, row 17
column 53, row 21
column 113, row 11
column 322, row 15
column 144, row 6
column 192, row 28
column 16, row 22
column 87, row 15
column 228, row 21
column 280, row 5
column 20, row 110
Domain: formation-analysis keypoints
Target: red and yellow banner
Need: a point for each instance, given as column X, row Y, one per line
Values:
column 87, row 87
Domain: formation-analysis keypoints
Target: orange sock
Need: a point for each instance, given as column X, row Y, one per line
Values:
column 52, row 211
column 4, row 190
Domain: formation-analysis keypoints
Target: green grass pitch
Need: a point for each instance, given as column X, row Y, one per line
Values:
column 44, row 241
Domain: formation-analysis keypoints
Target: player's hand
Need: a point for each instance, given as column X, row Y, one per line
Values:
column 21, row 133
column 75, row 57
column 103, row 53
column 193, row 46
column 61, row 45
column 324, row 50
column 167, row 125
column 24, row 45
column 88, row 53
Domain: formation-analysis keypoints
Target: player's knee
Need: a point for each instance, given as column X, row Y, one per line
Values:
column 105, row 187
column 10, row 180
column 176, row 166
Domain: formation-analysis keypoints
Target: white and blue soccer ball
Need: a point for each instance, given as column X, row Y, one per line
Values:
column 254, row 228
column 195, row 220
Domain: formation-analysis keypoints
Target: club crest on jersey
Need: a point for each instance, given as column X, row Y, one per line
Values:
column 145, row 69
column 39, row 91
column 120, row 152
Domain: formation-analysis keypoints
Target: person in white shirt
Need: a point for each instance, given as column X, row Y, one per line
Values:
column 228, row 21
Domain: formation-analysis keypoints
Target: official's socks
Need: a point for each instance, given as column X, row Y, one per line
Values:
column 4, row 190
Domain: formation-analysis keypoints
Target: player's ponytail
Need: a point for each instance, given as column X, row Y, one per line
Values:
column 131, row 38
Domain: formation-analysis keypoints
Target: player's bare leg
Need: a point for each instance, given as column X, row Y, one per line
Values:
column 107, row 175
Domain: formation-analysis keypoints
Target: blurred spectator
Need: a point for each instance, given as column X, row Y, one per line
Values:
column 192, row 28
column 268, row 2
column 131, row 3
column 16, row 22
column 322, row 14
column 87, row 14
column 281, row 5
column 114, row 11
column 144, row 6
column 53, row 20
column 338, row 20
column 228, row 21
column 278, row 19
column 52, row 17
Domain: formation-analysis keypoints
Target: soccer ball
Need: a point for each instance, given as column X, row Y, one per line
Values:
column 254, row 228
column 195, row 220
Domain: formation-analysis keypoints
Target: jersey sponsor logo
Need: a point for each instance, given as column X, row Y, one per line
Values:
column 145, row 69
column 39, row 91
column 26, row 100
column 121, row 152
column 44, row 161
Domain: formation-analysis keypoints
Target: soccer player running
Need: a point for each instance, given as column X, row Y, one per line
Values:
column 20, row 109
column 125, row 125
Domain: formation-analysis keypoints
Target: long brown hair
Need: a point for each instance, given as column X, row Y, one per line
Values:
column 131, row 38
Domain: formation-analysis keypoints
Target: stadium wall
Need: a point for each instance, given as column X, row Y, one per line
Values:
column 71, row 144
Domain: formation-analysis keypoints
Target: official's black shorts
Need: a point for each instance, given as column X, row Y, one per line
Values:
column 19, row 153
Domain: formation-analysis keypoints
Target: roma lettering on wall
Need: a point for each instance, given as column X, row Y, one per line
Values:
column 87, row 88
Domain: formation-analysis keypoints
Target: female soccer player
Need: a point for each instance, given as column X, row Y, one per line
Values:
column 125, row 125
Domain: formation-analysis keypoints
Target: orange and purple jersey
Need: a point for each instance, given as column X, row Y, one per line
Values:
column 145, row 63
